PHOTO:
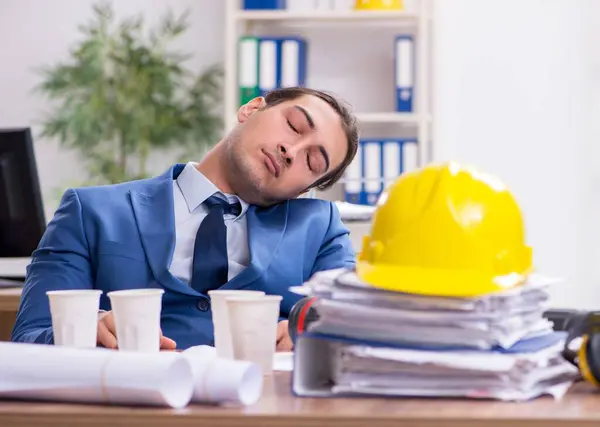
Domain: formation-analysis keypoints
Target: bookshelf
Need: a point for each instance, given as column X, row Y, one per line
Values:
column 318, row 15
column 416, row 16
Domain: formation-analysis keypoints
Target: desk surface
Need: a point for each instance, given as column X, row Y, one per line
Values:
column 277, row 408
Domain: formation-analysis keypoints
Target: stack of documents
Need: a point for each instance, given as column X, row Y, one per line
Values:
column 348, row 307
column 355, row 212
column 390, row 343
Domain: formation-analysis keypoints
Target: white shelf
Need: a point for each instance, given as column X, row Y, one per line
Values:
column 378, row 118
column 285, row 15
column 405, row 118
column 239, row 22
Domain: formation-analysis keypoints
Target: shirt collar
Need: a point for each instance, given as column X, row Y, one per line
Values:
column 196, row 188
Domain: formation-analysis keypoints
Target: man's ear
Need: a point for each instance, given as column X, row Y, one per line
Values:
column 250, row 108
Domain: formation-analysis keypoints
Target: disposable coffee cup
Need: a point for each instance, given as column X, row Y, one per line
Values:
column 220, row 318
column 137, row 319
column 253, row 323
column 74, row 316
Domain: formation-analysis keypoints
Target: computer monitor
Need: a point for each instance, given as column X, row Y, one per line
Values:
column 22, row 219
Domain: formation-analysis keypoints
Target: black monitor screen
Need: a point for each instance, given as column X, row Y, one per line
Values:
column 22, row 220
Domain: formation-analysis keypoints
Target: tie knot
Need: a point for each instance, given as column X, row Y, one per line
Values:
column 228, row 208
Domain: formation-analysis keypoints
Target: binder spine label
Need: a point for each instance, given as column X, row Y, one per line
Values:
column 405, row 69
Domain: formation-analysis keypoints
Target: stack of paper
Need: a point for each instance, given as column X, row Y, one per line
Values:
column 391, row 343
column 348, row 307
column 355, row 212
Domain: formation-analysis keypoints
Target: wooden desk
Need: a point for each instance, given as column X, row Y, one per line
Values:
column 277, row 408
column 11, row 268
column 9, row 305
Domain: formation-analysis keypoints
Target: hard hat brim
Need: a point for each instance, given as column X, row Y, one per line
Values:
column 436, row 282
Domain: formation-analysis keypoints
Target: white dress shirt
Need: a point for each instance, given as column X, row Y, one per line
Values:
column 190, row 190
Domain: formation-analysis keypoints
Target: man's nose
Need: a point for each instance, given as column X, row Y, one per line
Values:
column 288, row 153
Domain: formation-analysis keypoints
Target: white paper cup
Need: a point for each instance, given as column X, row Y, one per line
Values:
column 220, row 318
column 137, row 319
column 253, row 323
column 75, row 317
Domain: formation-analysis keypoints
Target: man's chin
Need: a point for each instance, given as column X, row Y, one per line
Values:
column 252, row 188
column 260, row 197
column 247, row 189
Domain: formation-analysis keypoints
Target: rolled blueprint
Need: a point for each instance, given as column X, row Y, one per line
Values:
column 223, row 380
column 46, row 372
column 103, row 376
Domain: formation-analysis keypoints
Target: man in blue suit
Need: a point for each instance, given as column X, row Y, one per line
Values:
column 231, row 221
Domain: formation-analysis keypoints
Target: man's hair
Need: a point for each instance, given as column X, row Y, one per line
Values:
column 347, row 119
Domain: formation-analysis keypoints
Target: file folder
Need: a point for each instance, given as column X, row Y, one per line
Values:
column 269, row 75
column 392, row 161
column 353, row 191
column 264, row 4
column 248, row 69
column 410, row 155
column 311, row 379
column 301, row 5
column 343, row 5
column 293, row 62
column 373, row 175
column 405, row 70
column 399, row 156
column 378, row 163
column 324, row 5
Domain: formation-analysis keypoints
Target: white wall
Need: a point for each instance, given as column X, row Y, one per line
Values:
column 513, row 91
column 591, row 163
column 516, row 84
column 40, row 32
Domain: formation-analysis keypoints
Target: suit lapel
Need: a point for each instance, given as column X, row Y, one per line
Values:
column 266, row 227
column 155, row 218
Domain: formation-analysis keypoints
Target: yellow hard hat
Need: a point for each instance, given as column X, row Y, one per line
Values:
column 379, row 5
column 446, row 230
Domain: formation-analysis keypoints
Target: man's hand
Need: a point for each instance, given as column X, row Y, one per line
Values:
column 107, row 333
column 284, row 342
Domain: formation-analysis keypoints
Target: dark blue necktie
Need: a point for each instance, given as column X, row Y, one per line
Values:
column 210, row 265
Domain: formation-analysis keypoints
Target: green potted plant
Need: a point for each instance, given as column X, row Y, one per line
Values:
column 123, row 95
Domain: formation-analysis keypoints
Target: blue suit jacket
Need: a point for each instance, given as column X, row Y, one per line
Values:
column 122, row 236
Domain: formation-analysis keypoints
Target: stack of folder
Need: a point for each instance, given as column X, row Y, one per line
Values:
column 322, row 5
column 377, row 342
column 300, row 5
column 378, row 163
column 268, row 63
